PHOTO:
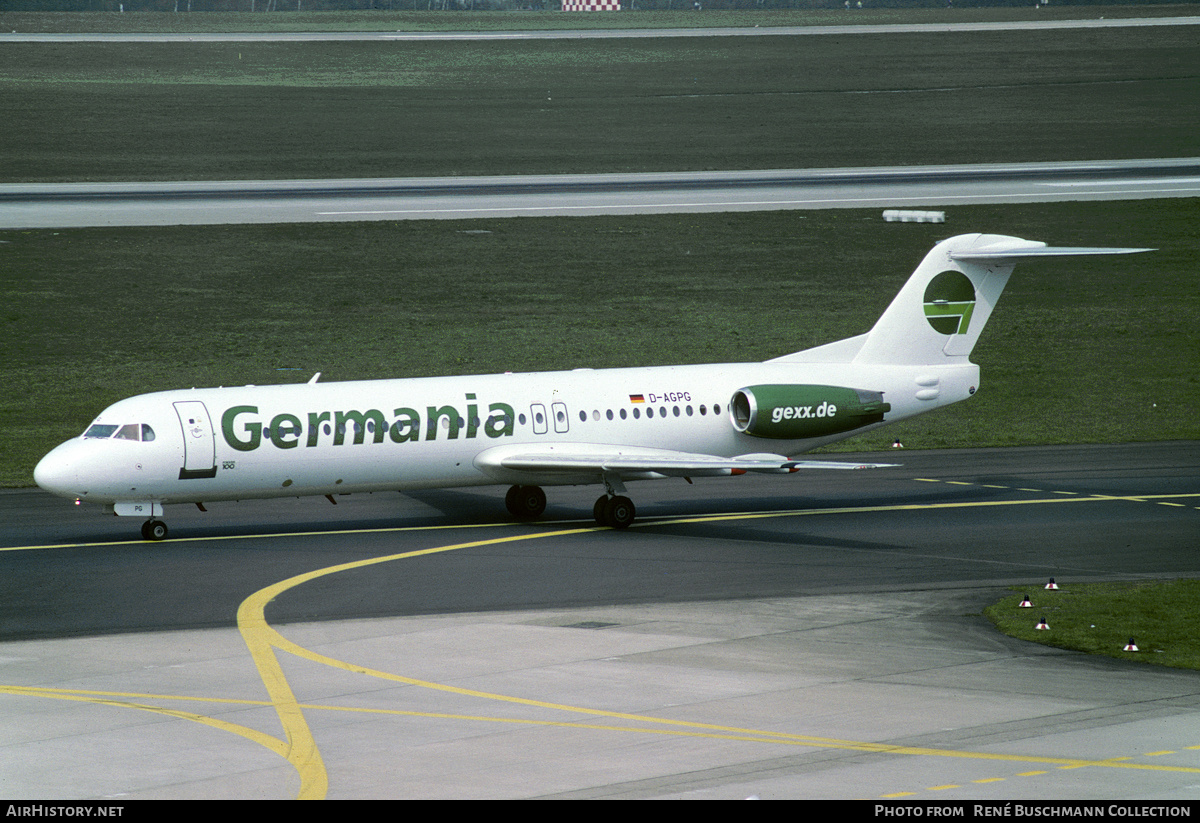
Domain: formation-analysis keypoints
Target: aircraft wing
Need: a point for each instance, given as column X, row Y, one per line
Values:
column 588, row 459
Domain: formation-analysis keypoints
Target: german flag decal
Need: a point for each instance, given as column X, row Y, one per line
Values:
column 637, row 398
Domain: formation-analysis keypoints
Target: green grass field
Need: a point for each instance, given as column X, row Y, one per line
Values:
column 147, row 111
column 1101, row 618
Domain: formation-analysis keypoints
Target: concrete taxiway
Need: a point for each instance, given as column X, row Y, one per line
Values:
column 847, row 659
column 856, row 696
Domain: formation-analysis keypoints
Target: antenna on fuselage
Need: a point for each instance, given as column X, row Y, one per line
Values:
column 314, row 379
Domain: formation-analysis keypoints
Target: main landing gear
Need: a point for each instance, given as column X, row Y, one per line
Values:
column 154, row 530
column 525, row 502
column 616, row 512
column 613, row 510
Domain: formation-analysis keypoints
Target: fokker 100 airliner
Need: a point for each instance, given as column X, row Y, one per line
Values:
column 578, row 427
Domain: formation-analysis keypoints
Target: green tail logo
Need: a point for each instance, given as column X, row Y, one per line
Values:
column 949, row 302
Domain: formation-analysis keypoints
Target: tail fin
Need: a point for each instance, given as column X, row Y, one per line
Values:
column 939, row 313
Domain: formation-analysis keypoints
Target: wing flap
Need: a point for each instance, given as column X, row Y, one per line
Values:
column 587, row 459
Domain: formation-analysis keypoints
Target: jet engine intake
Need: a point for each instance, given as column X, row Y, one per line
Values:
column 797, row 412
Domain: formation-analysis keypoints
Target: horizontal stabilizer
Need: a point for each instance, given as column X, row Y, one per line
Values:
column 1025, row 249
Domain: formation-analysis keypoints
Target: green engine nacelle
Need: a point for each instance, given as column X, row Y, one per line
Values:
column 789, row 412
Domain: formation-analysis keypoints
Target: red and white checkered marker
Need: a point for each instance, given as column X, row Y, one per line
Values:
column 1042, row 625
column 1051, row 584
column 1025, row 604
column 1131, row 646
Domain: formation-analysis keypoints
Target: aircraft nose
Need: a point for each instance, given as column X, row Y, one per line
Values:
column 57, row 472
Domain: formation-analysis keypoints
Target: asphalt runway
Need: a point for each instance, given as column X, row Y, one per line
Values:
column 61, row 205
column 773, row 637
column 590, row 34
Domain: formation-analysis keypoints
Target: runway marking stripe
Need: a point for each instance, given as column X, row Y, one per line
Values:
column 262, row 639
column 279, row 746
column 913, row 507
column 1133, row 498
column 46, row 691
column 299, row 746
column 213, row 538
column 273, row 744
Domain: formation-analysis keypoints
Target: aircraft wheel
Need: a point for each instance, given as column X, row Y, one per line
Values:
column 619, row 512
column 154, row 530
column 598, row 509
column 525, row 502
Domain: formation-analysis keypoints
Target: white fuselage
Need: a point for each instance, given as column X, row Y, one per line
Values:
column 336, row 438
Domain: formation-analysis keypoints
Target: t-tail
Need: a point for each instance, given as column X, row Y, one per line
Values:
column 940, row 312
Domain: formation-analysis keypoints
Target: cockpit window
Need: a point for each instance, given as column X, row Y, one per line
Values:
column 130, row 431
